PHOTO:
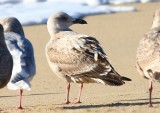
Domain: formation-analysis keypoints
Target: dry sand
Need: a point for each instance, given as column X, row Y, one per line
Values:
column 119, row 35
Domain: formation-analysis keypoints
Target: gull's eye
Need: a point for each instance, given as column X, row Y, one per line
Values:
column 64, row 18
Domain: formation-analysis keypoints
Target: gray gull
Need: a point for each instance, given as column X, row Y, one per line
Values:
column 23, row 56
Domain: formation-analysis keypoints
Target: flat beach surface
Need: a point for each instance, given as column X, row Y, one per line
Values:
column 119, row 35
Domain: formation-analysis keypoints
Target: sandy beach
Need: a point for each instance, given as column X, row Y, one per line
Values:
column 119, row 35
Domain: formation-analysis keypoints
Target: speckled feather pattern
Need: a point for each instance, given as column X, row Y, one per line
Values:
column 79, row 58
column 75, row 57
column 148, row 54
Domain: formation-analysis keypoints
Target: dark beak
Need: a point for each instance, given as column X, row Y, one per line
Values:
column 79, row 21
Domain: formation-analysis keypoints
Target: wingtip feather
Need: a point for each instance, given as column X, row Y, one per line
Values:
column 126, row 79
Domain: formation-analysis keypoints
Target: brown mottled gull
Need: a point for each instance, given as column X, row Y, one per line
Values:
column 21, row 49
column 76, row 57
column 148, row 54
column 6, row 62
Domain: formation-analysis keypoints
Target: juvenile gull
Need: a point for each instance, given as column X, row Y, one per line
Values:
column 23, row 56
column 6, row 62
column 148, row 54
column 76, row 57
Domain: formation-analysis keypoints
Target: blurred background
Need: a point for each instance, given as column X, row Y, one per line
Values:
column 31, row 12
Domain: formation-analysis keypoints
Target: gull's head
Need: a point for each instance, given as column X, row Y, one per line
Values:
column 61, row 21
column 156, row 20
column 12, row 24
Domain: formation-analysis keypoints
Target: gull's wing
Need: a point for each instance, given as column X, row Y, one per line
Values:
column 148, row 54
column 23, row 57
column 82, row 56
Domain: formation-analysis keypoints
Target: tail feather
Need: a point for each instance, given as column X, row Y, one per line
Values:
column 115, row 79
column 122, row 77
column 113, row 82
column 125, row 78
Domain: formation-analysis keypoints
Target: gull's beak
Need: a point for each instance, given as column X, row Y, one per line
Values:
column 79, row 21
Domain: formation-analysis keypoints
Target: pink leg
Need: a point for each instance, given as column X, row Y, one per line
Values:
column 150, row 93
column 20, row 102
column 68, row 90
column 80, row 91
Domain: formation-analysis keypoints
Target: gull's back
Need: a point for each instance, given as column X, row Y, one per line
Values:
column 22, row 49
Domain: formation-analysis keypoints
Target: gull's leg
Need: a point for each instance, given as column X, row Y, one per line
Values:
column 67, row 97
column 150, row 93
column 20, row 100
column 80, row 91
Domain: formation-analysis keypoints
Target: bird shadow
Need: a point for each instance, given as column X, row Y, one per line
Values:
column 141, row 99
column 35, row 94
column 118, row 104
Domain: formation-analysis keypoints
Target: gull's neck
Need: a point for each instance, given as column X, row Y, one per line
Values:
column 54, row 31
column 156, row 24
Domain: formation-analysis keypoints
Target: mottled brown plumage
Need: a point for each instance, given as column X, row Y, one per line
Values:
column 148, row 53
column 75, row 57
column 6, row 62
